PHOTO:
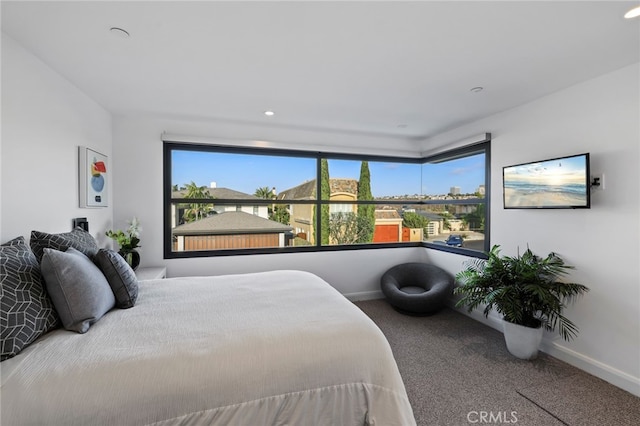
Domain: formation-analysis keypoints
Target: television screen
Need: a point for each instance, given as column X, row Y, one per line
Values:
column 558, row 183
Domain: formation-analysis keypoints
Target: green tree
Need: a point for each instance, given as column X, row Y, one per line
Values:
column 446, row 217
column 475, row 219
column 347, row 228
column 325, row 194
column 280, row 213
column 196, row 211
column 366, row 212
column 414, row 220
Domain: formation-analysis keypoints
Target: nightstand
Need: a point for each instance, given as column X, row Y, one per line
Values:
column 151, row 273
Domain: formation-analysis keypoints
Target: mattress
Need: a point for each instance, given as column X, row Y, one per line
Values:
column 280, row 347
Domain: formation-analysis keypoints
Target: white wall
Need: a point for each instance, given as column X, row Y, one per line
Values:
column 138, row 191
column 600, row 116
column 44, row 120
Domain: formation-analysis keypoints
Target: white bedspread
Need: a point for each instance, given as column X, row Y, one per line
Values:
column 278, row 347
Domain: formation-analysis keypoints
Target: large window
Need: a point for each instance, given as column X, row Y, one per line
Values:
column 221, row 200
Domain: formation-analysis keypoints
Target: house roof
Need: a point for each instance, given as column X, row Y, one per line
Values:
column 304, row 191
column 387, row 214
column 307, row 190
column 220, row 194
column 231, row 222
column 430, row 216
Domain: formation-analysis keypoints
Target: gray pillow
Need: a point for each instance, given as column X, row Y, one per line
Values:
column 79, row 239
column 26, row 311
column 80, row 293
column 121, row 278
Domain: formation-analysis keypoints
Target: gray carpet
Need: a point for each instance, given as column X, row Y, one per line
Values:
column 457, row 371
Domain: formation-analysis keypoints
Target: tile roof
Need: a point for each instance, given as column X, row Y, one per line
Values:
column 307, row 190
column 387, row 214
column 220, row 194
column 231, row 222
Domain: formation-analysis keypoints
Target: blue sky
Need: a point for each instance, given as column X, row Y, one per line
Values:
column 570, row 170
column 245, row 173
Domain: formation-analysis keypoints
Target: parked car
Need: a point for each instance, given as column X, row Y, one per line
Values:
column 454, row 241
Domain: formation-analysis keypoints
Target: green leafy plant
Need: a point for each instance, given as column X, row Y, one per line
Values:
column 525, row 289
column 127, row 240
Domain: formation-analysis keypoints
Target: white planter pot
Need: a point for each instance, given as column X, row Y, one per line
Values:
column 522, row 342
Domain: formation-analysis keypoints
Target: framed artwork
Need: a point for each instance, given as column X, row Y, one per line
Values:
column 93, row 174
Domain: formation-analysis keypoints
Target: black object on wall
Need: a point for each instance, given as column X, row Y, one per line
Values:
column 82, row 222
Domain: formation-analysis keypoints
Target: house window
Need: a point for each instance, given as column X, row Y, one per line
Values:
column 221, row 200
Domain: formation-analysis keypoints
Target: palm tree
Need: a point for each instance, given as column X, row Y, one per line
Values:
column 196, row 211
column 264, row 192
column 526, row 289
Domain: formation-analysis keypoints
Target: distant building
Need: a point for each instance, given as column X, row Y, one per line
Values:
column 454, row 190
column 480, row 190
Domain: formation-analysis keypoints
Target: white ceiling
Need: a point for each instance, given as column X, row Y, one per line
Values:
column 389, row 68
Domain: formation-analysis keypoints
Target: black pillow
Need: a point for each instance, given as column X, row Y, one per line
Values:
column 122, row 279
column 26, row 311
column 79, row 239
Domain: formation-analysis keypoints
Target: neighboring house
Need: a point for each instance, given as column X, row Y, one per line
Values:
column 230, row 230
column 388, row 226
column 226, row 194
column 302, row 214
column 388, row 222
column 436, row 223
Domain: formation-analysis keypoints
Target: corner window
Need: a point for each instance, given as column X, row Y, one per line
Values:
column 222, row 200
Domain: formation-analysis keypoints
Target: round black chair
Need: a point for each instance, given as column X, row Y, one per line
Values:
column 417, row 288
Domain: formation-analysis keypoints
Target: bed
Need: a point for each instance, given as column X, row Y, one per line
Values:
column 281, row 347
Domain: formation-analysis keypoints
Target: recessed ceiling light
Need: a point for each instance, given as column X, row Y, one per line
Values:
column 633, row 13
column 269, row 113
column 477, row 89
column 119, row 32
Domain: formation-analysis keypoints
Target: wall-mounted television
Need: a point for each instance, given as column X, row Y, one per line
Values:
column 557, row 183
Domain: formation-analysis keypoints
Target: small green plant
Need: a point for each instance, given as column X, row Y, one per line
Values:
column 525, row 289
column 128, row 240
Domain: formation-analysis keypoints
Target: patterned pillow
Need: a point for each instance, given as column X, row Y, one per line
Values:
column 122, row 279
column 26, row 311
column 79, row 239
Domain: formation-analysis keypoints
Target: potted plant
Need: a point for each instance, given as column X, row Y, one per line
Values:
column 526, row 290
column 128, row 242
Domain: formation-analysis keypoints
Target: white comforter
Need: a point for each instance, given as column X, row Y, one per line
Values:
column 278, row 347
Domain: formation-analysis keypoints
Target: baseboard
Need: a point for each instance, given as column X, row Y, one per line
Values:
column 605, row 372
column 365, row 295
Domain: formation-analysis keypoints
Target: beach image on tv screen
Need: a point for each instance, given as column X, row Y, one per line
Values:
column 552, row 183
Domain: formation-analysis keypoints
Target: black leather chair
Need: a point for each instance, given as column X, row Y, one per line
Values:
column 417, row 288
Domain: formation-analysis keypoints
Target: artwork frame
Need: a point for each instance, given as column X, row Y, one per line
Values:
column 93, row 178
